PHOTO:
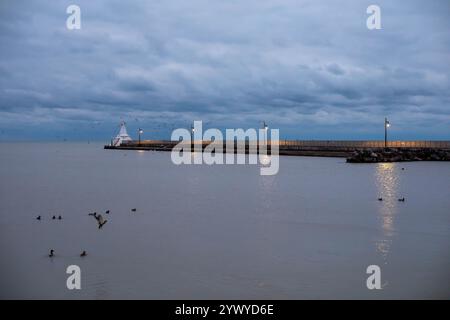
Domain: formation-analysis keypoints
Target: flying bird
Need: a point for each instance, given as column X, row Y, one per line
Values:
column 101, row 221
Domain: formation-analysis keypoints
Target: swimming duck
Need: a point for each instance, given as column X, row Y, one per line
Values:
column 133, row 210
column 107, row 211
column 59, row 218
column 380, row 199
column 54, row 217
column 51, row 253
column 402, row 199
column 83, row 254
column 38, row 218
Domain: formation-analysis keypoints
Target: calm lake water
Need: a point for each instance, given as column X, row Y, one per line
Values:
column 213, row 232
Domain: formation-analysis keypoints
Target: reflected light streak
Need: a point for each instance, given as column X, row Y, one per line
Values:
column 265, row 160
column 387, row 182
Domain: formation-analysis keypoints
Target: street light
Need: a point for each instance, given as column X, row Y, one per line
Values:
column 140, row 132
column 265, row 127
column 386, row 125
column 192, row 137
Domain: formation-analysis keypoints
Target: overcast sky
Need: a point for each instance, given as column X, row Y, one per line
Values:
column 310, row 68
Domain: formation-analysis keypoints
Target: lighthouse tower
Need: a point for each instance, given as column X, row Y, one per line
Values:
column 122, row 136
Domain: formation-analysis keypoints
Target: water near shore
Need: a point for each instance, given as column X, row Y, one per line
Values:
column 219, row 231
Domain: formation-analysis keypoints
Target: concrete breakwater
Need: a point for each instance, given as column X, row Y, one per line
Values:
column 354, row 151
column 316, row 151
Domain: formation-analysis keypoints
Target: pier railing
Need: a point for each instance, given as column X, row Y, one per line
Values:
column 365, row 143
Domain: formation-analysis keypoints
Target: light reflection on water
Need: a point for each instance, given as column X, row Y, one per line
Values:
column 387, row 181
column 267, row 187
column 265, row 160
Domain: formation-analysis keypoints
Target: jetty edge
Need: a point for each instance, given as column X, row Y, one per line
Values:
column 370, row 151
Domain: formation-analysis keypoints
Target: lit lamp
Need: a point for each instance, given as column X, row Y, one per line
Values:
column 386, row 125
column 140, row 132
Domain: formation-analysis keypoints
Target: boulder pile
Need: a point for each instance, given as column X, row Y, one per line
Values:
column 398, row 155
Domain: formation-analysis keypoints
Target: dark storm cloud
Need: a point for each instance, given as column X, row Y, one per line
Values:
column 303, row 66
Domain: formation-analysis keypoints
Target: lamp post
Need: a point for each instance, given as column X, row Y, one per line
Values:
column 192, row 137
column 386, row 125
column 265, row 127
column 140, row 132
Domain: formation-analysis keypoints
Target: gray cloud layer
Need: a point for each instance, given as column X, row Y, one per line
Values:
column 311, row 69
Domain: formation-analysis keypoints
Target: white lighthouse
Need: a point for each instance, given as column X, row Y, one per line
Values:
column 122, row 136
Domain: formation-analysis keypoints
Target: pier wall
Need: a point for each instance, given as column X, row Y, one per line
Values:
column 317, row 148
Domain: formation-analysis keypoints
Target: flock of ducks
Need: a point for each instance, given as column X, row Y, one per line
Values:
column 52, row 253
column 53, row 218
column 400, row 199
column 100, row 222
